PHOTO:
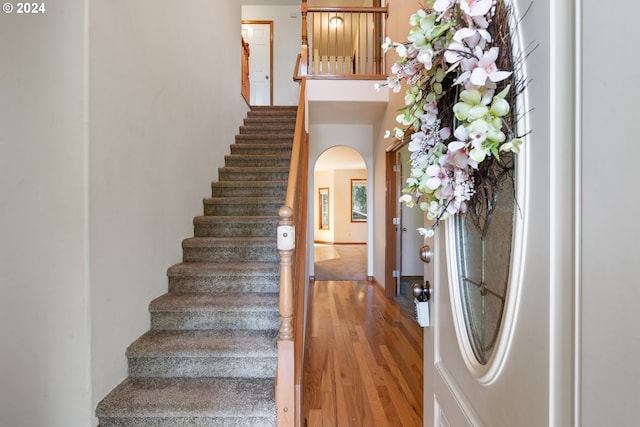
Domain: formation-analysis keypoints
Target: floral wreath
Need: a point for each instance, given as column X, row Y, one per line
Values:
column 456, row 74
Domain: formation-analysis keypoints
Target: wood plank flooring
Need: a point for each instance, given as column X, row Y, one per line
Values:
column 364, row 364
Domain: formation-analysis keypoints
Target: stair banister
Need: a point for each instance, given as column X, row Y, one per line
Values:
column 293, row 278
column 350, row 50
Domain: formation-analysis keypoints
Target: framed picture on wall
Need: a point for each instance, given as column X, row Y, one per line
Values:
column 323, row 194
column 358, row 200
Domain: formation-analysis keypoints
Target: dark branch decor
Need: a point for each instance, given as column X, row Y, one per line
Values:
column 459, row 67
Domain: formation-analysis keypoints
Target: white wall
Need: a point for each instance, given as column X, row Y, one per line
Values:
column 101, row 171
column 165, row 105
column 44, row 292
column 286, row 47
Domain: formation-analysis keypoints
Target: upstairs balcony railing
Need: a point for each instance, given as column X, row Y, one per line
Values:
column 342, row 42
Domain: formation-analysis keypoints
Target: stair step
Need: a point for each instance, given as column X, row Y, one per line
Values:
column 230, row 249
column 272, row 148
column 249, row 189
column 201, row 277
column 266, row 127
column 277, row 138
column 193, row 402
column 275, row 173
column 235, row 226
column 176, row 311
column 270, row 121
column 263, row 112
column 257, row 160
column 217, row 353
column 242, row 206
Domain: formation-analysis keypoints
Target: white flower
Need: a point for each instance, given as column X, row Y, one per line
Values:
column 513, row 146
column 442, row 5
column 475, row 7
column 486, row 67
column 387, row 45
column 425, row 56
column 427, row 232
column 408, row 200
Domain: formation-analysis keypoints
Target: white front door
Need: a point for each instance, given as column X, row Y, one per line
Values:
column 259, row 35
column 527, row 379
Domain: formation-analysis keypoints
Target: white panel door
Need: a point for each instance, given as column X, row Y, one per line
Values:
column 259, row 38
column 527, row 380
column 411, row 220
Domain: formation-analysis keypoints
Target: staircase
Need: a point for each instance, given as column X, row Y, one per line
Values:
column 210, row 356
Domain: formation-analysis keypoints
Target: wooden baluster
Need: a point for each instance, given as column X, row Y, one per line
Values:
column 304, row 63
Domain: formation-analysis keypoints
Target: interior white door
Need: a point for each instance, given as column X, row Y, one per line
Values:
column 410, row 220
column 258, row 35
column 527, row 379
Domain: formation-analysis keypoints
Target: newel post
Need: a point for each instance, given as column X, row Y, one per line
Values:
column 285, row 383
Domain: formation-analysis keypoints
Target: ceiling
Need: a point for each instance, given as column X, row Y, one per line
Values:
column 339, row 157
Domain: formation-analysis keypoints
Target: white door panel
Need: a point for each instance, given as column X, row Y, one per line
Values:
column 527, row 372
column 258, row 35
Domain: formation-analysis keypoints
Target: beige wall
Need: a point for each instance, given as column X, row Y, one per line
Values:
column 397, row 29
column 111, row 131
column 158, row 132
column 44, row 288
column 341, row 229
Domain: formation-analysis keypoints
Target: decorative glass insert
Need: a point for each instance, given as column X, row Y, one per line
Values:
column 484, row 243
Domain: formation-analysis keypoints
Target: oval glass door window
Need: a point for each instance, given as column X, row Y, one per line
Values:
column 484, row 242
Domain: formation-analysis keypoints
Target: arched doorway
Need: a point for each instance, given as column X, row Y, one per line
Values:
column 340, row 215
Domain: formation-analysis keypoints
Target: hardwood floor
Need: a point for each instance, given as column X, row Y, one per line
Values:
column 364, row 366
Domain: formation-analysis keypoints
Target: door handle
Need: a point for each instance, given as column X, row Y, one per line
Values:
column 266, row 77
column 426, row 254
column 422, row 292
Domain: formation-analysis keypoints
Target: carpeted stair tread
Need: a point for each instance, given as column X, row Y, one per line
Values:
column 242, row 200
column 233, row 398
column 204, row 268
column 226, row 353
column 201, row 311
column 257, row 160
column 249, row 189
column 242, row 206
column 249, row 138
column 261, row 148
column 188, row 302
column 267, row 127
column 235, row 225
column 233, row 343
column 203, row 277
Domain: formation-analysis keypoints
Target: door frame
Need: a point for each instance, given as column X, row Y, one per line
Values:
column 270, row 23
column 391, row 211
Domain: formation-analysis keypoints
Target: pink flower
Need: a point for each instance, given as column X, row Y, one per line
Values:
column 486, row 67
column 475, row 7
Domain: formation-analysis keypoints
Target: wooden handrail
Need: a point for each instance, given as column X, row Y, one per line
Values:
column 293, row 278
column 347, row 9
column 246, row 85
